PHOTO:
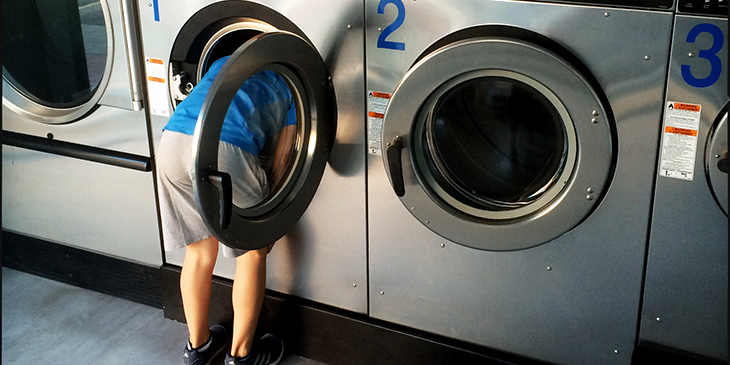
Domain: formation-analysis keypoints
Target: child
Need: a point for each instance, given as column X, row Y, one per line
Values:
column 261, row 112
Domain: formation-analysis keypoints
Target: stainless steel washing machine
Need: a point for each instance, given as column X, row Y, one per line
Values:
column 511, row 159
column 686, row 292
column 318, row 48
column 76, row 156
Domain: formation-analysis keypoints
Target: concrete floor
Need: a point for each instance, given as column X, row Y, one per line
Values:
column 44, row 321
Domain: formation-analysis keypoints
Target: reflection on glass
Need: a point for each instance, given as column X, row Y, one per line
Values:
column 259, row 138
column 54, row 51
column 495, row 143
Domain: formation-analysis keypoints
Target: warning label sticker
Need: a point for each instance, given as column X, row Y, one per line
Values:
column 157, row 88
column 679, row 142
column 377, row 103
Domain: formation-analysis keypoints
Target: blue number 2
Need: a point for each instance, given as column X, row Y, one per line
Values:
column 382, row 43
column 710, row 55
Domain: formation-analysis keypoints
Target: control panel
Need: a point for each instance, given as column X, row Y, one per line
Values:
column 645, row 4
column 709, row 7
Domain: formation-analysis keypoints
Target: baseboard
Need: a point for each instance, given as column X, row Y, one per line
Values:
column 648, row 353
column 104, row 274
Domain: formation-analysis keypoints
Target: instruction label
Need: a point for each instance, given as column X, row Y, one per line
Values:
column 157, row 87
column 377, row 104
column 679, row 142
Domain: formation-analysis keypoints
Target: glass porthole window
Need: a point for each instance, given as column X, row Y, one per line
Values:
column 482, row 151
column 56, row 55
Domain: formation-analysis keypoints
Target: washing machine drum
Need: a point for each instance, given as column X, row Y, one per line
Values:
column 498, row 144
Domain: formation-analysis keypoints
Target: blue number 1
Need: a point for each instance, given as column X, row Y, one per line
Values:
column 382, row 43
column 710, row 55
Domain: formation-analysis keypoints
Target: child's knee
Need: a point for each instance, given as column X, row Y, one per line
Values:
column 203, row 252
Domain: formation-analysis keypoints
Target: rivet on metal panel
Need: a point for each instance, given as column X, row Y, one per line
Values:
column 658, row 319
column 647, row 57
column 595, row 113
column 380, row 29
column 443, row 245
column 691, row 55
column 149, row 4
column 549, row 268
column 428, row 222
column 594, row 120
column 607, row 14
column 354, row 285
column 49, row 135
column 415, row 207
column 616, row 352
column 387, row 143
column 382, row 293
column 589, row 197
column 349, row 26
column 717, row 156
column 589, row 190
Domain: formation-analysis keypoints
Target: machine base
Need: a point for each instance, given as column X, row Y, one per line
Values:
column 309, row 329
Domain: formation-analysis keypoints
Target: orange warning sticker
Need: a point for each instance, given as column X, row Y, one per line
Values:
column 687, row 107
column 157, row 61
column 378, row 94
column 682, row 131
column 155, row 79
column 376, row 115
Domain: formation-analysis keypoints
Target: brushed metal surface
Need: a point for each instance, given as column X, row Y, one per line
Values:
column 575, row 299
column 687, row 270
column 97, row 207
column 326, row 252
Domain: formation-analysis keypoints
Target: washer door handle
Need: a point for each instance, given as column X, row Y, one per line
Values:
column 222, row 182
column 395, row 167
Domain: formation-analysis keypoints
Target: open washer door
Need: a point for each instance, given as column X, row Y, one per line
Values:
column 292, row 183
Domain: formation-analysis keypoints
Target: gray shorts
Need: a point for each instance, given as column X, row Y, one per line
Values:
column 181, row 221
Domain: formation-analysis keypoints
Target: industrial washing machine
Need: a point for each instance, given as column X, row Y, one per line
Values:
column 76, row 151
column 317, row 47
column 511, row 150
column 686, row 292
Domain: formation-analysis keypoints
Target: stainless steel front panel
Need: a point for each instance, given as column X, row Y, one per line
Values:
column 324, row 258
column 96, row 207
column 686, row 295
column 575, row 299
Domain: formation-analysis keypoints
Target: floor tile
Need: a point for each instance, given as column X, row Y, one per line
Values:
column 44, row 320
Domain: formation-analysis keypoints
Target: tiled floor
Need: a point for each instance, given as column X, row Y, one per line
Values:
column 44, row 321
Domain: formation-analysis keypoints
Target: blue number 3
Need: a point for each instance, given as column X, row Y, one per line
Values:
column 710, row 55
column 382, row 43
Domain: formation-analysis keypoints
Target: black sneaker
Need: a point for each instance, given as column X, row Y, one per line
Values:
column 268, row 351
column 204, row 355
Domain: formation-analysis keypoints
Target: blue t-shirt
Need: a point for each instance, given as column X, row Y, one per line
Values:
column 262, row 107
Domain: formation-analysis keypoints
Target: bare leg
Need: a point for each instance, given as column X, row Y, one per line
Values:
column 195, row 283
column 248, row 296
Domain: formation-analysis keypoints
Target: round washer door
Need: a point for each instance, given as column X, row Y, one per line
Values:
column 254, row 224
column 497, row 144
column 716, row 162
column 58, row 58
